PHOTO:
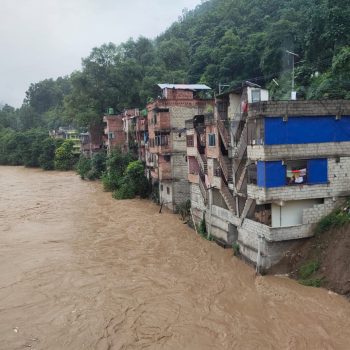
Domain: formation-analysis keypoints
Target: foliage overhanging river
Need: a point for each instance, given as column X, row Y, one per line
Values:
column 80, row 270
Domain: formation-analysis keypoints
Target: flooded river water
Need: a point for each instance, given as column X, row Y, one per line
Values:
column 79, row 270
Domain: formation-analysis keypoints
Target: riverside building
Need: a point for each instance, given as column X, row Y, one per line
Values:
column 166, row 158
column 262, row 173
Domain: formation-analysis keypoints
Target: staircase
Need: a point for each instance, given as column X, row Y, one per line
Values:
column 241, row 176
column 248, row 204
column 228, row 198
column 203, row 169
column 241, row 144
column 225, row 166
column 202, row 187
column 224, row 132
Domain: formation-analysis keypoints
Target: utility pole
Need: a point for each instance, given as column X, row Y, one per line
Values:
column 293, row 93
column 221, row 86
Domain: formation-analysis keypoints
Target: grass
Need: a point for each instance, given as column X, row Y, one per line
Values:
column 236, row 249
column 336, row 218
column 306, row 271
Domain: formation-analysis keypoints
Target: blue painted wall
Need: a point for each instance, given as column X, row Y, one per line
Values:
column 304, row 129
column 317, row 171
column 271, row 174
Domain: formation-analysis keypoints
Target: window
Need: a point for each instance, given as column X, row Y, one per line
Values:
column 162, row 140
column 211, row 139
column 256, row 95
column 161, row 188
column 167, row 158
column 296, row 172
column 189, row 140
column 111, row 135
column 168, row 190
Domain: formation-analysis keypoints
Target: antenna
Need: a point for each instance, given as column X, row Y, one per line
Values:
column 293, row 94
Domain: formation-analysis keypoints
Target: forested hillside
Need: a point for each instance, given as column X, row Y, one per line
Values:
column 225, row 41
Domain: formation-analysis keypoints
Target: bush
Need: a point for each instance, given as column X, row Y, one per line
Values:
column 236, row 249
column 337, row 218
column 64, row 156
column 126, row 191
column 83, row 166
column 110, row 181
column 91, row 168
column 135, row 177
column 116, row 164
column 184, row 210
column 47, row 156
column 308, row 269
column 98, row 164
column 202, row 228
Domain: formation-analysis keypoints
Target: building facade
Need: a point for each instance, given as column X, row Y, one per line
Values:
column 166, row 145
column 262, row 173
column 115, row 137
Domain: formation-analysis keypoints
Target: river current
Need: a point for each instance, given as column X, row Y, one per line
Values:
column 80, row 270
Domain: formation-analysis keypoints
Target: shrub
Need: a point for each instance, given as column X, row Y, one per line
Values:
column 135, row 177
column 116, row 164
column 98, row 164
column 83, row 166
column 312, row 282
column 47, row 156
column 91, row 168
column 236, row 249
column 337, row 218
column 126, row 191
column 202, row 228
column 308, row 269
column 110, row 181
column 183, row 209
column 64, row 156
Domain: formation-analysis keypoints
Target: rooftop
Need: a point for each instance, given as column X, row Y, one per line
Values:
column 194, row 87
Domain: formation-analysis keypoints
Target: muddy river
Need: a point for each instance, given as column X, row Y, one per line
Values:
column 79, row 270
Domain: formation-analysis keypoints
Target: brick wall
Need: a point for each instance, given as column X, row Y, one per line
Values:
column 302, row 108
column 314, row 214
column 176, row 94
column 302, row 151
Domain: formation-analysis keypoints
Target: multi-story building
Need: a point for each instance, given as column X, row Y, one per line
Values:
column 114, row 132
column 142, row 134
column 264, row 172
column 166, row 147
column 130, row 116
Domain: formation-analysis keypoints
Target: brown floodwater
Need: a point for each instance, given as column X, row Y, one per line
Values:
column 80, row 270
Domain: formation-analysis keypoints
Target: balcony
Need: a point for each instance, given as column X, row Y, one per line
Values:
column 161, row 122
column 288, row 193
column 278, row 234
column 161, row 174
column 295, row 151
column 165, row 149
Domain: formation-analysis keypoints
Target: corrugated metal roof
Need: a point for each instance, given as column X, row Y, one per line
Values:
column 184, row 86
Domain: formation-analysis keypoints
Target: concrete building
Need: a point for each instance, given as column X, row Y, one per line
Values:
column 166, row 147
column 263, row 172
column 142, row 134
column 115, row 137
column 130, row 116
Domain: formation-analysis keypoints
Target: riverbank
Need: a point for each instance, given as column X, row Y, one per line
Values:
column 323, row 260
column 80, row 270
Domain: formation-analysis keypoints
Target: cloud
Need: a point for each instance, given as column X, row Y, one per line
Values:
column 41, row 39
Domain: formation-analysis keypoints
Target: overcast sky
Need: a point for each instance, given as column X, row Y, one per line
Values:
column 42, row 39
